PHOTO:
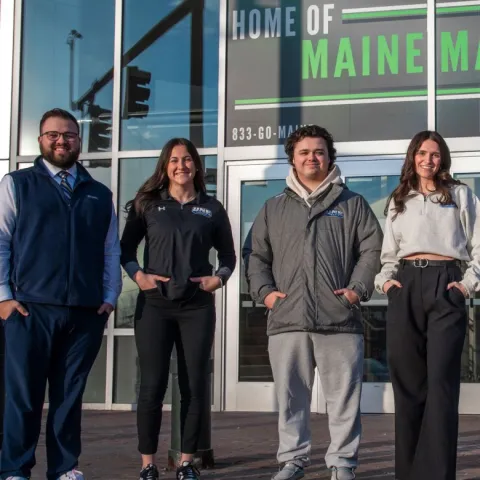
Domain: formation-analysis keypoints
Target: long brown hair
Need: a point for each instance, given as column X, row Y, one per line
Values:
column 150, row 190
column 409, row 178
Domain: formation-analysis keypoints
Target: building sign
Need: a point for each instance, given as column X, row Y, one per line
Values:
column 361, row 72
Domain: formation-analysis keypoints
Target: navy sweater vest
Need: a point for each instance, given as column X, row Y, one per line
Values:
column 58, row 248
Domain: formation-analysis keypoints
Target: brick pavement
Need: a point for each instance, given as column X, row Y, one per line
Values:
column 244, row 446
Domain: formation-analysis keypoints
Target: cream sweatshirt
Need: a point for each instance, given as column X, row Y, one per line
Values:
column 429, row 227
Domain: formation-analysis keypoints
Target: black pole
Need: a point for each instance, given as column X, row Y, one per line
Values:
column 204, row 456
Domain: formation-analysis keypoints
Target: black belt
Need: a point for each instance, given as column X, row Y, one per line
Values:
column 423, row 262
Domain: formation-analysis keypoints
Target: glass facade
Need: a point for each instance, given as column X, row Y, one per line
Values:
column 138, row 72
column 176, row 45
column 60, row 69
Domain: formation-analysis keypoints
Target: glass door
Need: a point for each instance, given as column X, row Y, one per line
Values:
column 249, row 382
column 467, row 170
column 375, row 180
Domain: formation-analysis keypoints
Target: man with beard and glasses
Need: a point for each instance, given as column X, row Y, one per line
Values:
column 60, row 278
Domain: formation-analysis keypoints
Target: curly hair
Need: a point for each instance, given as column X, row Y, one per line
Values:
column 159, row 180
column 409, row 178
column 310, row 131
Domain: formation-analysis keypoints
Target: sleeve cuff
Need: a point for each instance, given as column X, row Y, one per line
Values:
column 360, row 290
column 265, row 291
column 5, row 293
column 111, row 298
column 131, row 268
column 469, row 287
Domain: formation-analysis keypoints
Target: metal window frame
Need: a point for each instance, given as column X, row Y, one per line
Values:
column 353, row 150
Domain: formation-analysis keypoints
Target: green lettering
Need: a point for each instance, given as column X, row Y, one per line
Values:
column 477, row 63
column 345, row 59
column 387, row 54
column 366, row 56
column 413, row 52
column 311, row 59
column 456, row 53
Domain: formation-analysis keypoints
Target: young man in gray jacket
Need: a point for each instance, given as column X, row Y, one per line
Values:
column 312, row 256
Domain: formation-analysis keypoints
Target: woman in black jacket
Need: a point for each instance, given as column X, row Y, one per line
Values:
column 180, row 224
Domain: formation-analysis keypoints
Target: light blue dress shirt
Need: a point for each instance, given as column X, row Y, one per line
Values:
column 112, row 275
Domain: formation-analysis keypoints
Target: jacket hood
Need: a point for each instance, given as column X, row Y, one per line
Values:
column 333, row 177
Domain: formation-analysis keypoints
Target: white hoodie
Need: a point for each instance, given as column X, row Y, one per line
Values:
column 309, row 198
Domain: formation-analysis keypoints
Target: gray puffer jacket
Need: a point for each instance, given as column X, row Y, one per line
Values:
column 307, row 252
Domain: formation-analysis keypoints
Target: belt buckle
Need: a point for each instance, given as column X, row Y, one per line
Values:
column 420, row 263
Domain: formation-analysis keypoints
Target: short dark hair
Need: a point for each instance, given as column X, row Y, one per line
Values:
column 311, row 131
column 58, row 112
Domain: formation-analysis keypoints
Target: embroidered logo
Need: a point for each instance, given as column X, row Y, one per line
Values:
column 162, row 208
column 202, row 211
column 333, row 213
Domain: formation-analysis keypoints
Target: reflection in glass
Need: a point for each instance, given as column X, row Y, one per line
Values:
column 65, row 50
column 458, row 72
column 254, row 365
column 375, row 367
column 171, row 67
column 126, row 373
column 471, row 349
column 376, row 191
column 133, row 172
column 4, row 168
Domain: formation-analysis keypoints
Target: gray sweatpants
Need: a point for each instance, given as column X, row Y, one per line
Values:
column 339, row 360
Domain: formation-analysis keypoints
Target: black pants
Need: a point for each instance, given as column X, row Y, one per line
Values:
column 191, row 328
column 55, row 343
column 426, row 326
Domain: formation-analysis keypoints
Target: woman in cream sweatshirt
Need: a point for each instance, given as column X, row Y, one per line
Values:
column 430, row 264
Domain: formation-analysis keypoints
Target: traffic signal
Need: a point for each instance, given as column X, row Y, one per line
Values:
column 136, row 93
column 100, row 134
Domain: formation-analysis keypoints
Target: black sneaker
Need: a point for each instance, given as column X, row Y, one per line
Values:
column 150, row 472
column 187, row 472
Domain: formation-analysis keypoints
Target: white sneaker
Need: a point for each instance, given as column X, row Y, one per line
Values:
column 16, row 478
column 72, row 475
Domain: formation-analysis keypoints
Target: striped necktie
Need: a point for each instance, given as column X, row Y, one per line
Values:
column 66, row 188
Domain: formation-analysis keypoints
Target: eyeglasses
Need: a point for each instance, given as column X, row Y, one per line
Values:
column 54, row 136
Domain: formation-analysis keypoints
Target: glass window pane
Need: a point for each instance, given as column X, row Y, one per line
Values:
column 375, row 368
column 133, row 172
column 471, row 349
column 66, row 48
column 95, row 389
column 4, row 168
column 171, row 50
column 362, row 73
column 127, row 373
column 376, row 191
column 458, row 69
column 254, row 365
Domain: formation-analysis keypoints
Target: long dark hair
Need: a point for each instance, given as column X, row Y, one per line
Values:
column 159, row 180
column 409, row 178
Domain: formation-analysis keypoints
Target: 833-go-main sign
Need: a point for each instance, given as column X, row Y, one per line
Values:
column 358, row 68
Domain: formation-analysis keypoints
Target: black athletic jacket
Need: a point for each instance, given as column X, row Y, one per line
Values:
column 178, row 240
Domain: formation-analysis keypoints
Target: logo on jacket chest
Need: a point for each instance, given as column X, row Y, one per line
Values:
column 333, row 213
column 205, row 212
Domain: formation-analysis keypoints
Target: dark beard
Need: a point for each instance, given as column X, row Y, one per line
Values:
column 66, row 162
